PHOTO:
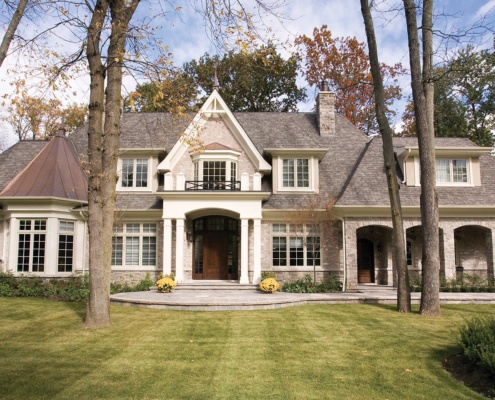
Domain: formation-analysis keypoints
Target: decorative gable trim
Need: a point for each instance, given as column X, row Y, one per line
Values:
column 215, row 105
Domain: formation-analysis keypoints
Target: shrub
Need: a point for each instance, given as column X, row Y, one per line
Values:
column 477, row 339
column 303, row 285
column 74, row 288
column 269, row 285
column 331, row 284
column 268, row 274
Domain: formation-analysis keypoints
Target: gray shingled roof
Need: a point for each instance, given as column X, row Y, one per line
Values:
column 369, row 185
column 342, row 168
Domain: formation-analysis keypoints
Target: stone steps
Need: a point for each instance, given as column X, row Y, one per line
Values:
column 213, row 285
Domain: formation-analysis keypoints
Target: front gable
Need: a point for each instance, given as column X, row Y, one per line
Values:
column 215, row 123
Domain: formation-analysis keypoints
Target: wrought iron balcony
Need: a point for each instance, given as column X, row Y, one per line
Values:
column 213, row 185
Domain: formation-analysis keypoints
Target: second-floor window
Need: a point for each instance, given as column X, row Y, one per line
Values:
column 451, row 170
column 295, row 173
column 134, row 173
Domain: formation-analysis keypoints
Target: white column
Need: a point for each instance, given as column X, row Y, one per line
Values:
column 244, row 251
column 167, row 246
column 51, row 249
column 179, row 250
column 13, row 245
column 244, row 181
column 257, row 251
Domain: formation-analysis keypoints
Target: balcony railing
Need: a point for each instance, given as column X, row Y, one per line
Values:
column 213, row 185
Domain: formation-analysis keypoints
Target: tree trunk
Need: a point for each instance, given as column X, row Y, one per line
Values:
column 430, row 303
column 98, row 310
column 399, row 249
column 9, row 34
column 103, row 150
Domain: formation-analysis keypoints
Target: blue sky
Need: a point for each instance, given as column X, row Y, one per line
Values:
column 187, row 39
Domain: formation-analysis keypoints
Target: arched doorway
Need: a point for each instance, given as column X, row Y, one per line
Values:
column 215, row 248
column 366, row 261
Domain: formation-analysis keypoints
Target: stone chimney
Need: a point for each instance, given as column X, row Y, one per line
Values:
column 325, row 110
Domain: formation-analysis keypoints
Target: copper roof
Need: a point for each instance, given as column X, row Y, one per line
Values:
column 54, row 172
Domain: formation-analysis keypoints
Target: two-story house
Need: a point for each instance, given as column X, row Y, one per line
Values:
column 217, row 197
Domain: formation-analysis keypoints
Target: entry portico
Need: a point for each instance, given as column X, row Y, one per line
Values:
column 243, row 206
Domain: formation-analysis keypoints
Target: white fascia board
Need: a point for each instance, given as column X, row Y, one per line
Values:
column 299, row 152
column 445, row 151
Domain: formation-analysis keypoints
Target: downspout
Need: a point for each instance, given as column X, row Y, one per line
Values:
column 344, row 284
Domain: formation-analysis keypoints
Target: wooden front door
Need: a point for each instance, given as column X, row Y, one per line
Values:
column 215, row 248
column 366, row 261
column 215, row 255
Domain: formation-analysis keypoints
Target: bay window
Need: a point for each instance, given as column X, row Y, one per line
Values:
column 31, row 245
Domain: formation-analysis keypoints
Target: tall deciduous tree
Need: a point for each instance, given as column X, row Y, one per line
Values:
column 398, row 240
column 37, row 118
column 177, row 93
column 421, row 84
column 344, row 64
column 258, row 80
column 11, row 29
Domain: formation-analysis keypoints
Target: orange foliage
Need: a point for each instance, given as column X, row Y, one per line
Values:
column 344, row 64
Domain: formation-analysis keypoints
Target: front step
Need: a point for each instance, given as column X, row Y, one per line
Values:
column 213, row 285
column 372, row 287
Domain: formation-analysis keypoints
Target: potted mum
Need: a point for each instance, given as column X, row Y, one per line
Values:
column 165, row 284
column 269, row 285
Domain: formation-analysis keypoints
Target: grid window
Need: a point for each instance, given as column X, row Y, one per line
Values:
column 134, row 244
column 134, row 173
column 149, row 251
column 65, row 253
column 214, row 171
column 117, row 250
column 279, row 251
column 313, row 250
column 451, row 170
column 31, row 246
column 292, row 245
column 295, row 173
column 409, row 257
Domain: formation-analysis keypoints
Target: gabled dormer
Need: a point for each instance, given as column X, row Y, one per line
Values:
column 455, row 165
column 214, row 153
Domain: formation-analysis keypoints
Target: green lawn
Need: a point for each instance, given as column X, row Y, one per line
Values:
column 308, row 352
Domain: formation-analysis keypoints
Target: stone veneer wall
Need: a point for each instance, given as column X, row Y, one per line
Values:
column 331, row 254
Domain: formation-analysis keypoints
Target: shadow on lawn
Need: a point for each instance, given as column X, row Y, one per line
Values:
column 79, row 308
column 392, row 307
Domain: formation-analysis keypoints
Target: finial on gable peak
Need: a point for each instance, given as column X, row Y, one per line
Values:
column 61, row 129
column 216, row 86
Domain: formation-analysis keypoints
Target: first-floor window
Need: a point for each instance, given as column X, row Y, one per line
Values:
column 31, row 245
column 65, row 246
column 295, row 245
column 134, row 244
column 409, row 256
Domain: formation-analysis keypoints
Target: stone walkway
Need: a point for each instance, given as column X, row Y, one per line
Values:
column 235, row 300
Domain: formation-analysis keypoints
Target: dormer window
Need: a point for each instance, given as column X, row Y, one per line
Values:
column 134, row 174
column 295, row 173
column 451, row 171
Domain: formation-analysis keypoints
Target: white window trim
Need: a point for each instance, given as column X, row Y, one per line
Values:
column 287, row 234
column 146, row 188
column 469, row 166
column 141, row 234
column 74, row 244
column 312, row 166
